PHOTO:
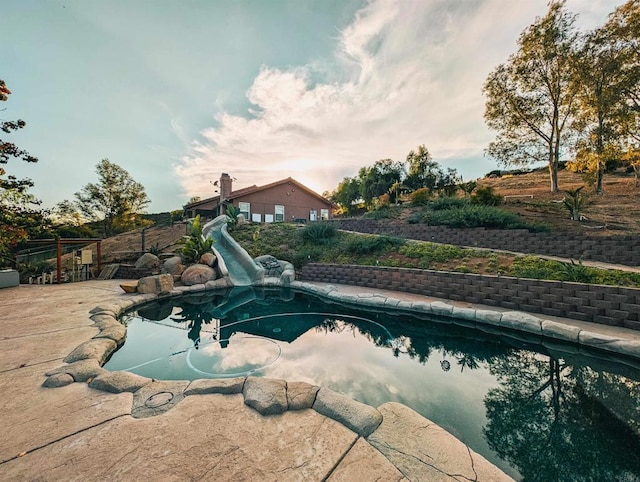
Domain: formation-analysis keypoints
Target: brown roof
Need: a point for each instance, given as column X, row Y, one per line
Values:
column 251, row 189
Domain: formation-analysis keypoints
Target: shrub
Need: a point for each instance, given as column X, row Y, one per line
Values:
column 384, row 212
column 196, row 245
column 416, row 218
column 318, row 232
column 485, row 196
column 372, row 244
column 420, row 197
column 480, row 216
column 447, row 203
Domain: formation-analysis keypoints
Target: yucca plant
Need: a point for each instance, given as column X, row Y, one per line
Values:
column 574, row 201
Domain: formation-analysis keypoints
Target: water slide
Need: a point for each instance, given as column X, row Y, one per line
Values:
column 233, row 260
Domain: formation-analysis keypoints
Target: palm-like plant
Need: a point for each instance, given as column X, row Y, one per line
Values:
column 574, row 201
column 196, row 245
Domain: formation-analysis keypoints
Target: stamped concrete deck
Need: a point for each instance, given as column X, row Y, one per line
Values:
column 75, row 432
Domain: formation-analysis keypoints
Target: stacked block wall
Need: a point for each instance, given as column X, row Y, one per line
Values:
column 609, row 305
column 623, row 250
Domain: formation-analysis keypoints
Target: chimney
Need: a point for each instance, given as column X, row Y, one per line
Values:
column 225, row 187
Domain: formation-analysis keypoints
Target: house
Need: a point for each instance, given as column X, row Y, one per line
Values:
column 284, row 200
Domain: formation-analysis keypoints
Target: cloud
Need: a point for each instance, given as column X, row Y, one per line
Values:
column 412, row 74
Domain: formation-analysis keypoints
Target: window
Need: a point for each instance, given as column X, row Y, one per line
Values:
column 324, row 214
column 313, row 215
column 256, row 218
column 268, row 218
column 279, row 212
column 245, row 210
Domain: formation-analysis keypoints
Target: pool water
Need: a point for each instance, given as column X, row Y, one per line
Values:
column 538, row 411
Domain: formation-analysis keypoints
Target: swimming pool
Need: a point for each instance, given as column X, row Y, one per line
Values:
column 538, row 411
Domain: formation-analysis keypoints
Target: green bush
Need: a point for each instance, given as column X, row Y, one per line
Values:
column 369, row 244
column 480, row 216
column 485, row 196
column 421, row 197
column 318, row 232
column 383, row 212
column 443, row 203
column 196, row 245
column 416, row 218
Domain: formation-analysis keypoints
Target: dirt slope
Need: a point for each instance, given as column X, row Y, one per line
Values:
column 617, row 211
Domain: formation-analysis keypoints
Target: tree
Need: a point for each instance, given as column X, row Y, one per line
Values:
column 116, row 200
column 378, row 179
column 424, row 172
column 601, row 81
column 19, row 219
column 347, row 193
column 531, row 98
column 623, row 30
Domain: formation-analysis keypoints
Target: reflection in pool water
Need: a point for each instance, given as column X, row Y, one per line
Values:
column 538, row 411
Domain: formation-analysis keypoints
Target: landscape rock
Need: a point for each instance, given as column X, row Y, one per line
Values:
column 362, row 419
column 198, row 274
column 58, row 380
column 522, row 321
column 267, row 396
column 208, row 259
column 173, row 266
column 117, row 333
column 160, row 283
column 148, row 261
column 270, row 264
column 119, row 382
column 96, row 348
column 81, row 371
column 226, row 386
column 301, row 395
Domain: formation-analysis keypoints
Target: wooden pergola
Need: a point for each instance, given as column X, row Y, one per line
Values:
column 62, row 241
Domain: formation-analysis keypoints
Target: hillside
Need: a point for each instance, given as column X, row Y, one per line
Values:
column 617, row 211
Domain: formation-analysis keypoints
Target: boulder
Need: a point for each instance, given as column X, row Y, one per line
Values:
column 271, row 265
column 148, row 261
column 160, row 283
column 173, row 266
column 208, row 259
column 198, row 274
column 267, row 396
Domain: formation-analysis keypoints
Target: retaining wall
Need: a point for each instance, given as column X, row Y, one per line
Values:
column 609, row 305
column 609, row 249
column 129, row 271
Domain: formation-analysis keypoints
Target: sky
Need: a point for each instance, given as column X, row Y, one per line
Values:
column 178, row 92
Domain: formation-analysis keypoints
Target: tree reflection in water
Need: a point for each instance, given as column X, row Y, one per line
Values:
column 552, row 420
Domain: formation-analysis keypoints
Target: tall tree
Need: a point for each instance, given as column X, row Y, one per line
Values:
column 376, row 180
column 423, row 171
column 531, row 98
column 600, row 85
column 116, row 200
column 623, row 30
column 346, row 194
column 19, row 218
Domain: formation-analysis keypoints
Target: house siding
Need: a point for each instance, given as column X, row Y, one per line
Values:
column 297, row 202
